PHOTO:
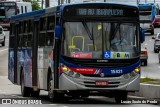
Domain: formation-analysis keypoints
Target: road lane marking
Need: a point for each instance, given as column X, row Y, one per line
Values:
column 3, row 50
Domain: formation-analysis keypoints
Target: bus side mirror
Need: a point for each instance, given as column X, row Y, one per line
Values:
column 142, row 35
column 58, row 31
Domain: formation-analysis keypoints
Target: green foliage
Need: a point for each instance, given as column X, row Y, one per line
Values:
column 35, row 5
column 150, row 81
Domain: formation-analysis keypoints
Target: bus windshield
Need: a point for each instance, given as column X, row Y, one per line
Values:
column 7, row 9
column 99, row 39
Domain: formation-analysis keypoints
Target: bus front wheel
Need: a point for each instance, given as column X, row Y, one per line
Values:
column 53, row 94
column 25, row 91
column 121, row 97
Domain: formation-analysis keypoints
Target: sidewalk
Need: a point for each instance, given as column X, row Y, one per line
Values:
column 148, row 92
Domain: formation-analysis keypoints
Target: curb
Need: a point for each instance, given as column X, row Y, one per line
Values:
column 148, row 92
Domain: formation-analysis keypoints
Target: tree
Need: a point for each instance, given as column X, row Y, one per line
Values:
column 35, row 5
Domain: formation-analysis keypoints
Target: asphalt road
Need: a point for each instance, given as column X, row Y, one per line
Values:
column 152, row 70
column 8, row 90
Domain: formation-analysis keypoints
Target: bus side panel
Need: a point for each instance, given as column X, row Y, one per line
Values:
column 42, row 68
column 20, row 64
column 11, row 65
column 28, row 67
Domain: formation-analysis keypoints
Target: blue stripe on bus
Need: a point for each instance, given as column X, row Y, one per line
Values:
column 107, row 71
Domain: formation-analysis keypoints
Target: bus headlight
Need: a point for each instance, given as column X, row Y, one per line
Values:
column 64, row 68
column 137, row 70
column 69, row 72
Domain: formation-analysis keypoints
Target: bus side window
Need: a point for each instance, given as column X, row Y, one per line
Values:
column 51, row 22
column 43, row 23
column 49, row 39
column 41, row 41
column 26, row 26
column 29, row 40
column 30, row 24
column 50, row 30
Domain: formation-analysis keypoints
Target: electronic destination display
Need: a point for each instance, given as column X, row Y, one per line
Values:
column 99, row 10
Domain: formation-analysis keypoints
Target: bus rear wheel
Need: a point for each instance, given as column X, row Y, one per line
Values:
column 25, row 91
column 35, row 93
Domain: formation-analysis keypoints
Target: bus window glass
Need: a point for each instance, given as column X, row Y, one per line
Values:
column 41, row 39
column 43, row 23
column 29, row 40
column 49, row 39
column 30, row 25
column 11, row 41
column 51, row 22
column 25, row 26
column 93, row 39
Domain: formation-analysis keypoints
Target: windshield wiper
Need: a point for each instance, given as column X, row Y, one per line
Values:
column 87, row 30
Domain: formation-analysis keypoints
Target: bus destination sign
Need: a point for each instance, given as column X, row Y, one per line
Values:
column 102, row 11
column 7, row 4
column 99, row 12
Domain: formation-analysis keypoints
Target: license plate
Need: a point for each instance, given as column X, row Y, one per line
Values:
column 101, row 83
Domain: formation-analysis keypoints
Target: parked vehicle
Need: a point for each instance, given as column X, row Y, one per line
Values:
column 144, row 55
column 2, row 36
column 157, row 37
column 156, row 42
column 156, row 22
column 148, row 27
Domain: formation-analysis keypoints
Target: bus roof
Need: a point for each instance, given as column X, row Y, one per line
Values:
column 52, row 9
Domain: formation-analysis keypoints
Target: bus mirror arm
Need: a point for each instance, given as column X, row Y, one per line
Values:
column 142, row 35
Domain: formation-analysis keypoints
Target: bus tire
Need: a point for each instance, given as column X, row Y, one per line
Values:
column 35, row 93
column 53, row 95
column 25, row 91
column 121, row 97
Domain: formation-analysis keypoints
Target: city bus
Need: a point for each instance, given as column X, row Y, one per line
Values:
column 9, row 8
column 76, row 50
column 147, row 12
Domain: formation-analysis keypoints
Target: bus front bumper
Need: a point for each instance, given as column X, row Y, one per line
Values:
column 89, row 83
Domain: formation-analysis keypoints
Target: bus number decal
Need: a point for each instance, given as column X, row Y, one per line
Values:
column 117, row 71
